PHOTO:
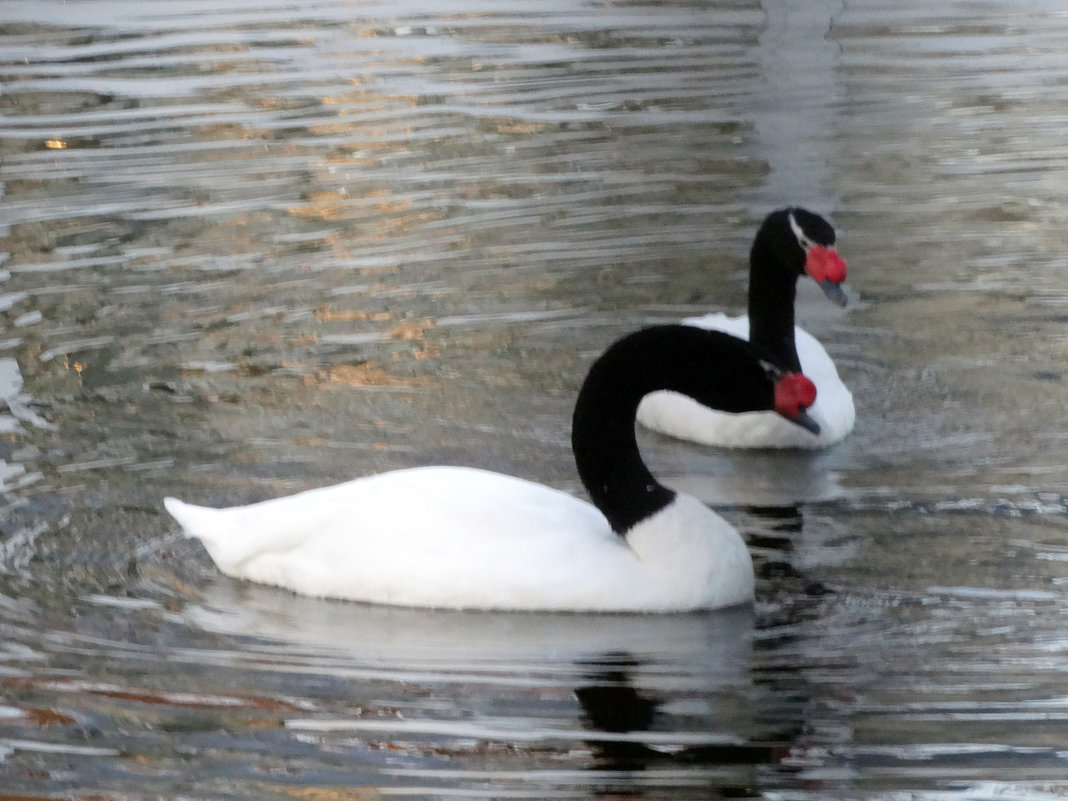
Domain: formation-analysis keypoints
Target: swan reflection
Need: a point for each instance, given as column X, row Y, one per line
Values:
column 643, row 696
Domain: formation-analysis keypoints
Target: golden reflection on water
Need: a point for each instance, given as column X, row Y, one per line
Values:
column 250, row 254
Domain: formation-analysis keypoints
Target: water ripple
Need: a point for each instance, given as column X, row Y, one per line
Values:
column 259, row 246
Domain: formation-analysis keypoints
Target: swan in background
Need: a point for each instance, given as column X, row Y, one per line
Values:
column 460, row 537
column 791, row 242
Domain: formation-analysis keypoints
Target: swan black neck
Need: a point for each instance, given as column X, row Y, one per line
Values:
column 776, row 261
column 713, row 368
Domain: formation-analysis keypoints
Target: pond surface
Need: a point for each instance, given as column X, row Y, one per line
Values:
column 257, row 247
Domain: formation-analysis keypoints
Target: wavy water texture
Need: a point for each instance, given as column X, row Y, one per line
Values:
column 258, row 246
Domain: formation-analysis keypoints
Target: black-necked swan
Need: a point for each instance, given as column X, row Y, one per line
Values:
column 460, row 537
column 791, row 242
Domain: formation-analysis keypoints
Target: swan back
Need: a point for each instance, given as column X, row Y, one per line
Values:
column 453, row 537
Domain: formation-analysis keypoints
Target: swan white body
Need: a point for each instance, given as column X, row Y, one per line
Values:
column 679, row 416
column 465, row 538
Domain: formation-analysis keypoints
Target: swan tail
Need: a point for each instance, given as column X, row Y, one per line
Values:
column 197, row 521
column 214, row 528
column 238, row 535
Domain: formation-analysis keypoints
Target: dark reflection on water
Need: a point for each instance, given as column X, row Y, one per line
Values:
column 611, row 704
column 656, row 694
column 251, row 248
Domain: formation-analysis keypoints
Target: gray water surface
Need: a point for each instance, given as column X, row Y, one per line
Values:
column 256, row 247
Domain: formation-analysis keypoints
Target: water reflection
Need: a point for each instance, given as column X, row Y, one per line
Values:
column 253, row 248
column 612, row 704
column 798, row 104
column 714, row 645
column 657, row 694
column 761, row 478
column 19, row 405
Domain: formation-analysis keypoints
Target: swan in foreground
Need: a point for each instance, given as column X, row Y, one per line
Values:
column 791, row 242
column 465, row 538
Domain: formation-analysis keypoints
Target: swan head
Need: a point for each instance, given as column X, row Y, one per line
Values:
column 816, row 238
column 794, row 395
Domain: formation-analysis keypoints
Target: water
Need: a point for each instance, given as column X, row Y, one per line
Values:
column 252, row 248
